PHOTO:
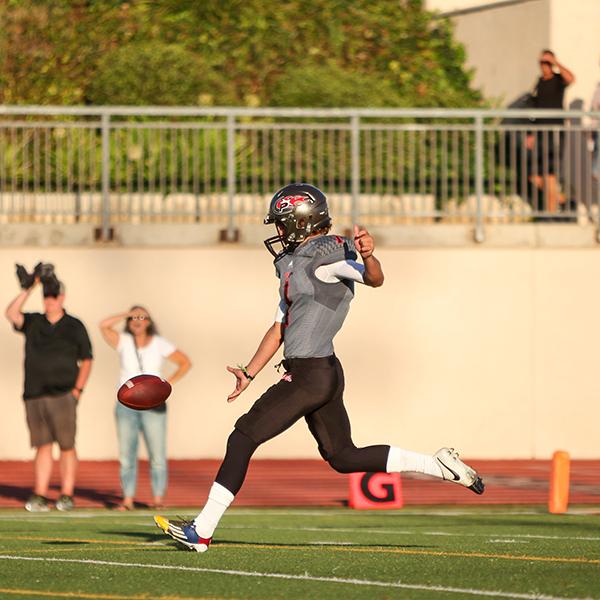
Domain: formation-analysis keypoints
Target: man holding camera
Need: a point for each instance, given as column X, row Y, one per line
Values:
column 58, row 361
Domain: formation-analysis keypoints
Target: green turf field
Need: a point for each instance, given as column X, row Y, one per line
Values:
column 312, row 553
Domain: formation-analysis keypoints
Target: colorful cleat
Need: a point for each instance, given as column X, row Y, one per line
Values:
column 183, row 532
column 454, row 469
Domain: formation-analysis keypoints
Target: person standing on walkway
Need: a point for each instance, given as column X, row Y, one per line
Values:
column 142, row 351
column 544, row 149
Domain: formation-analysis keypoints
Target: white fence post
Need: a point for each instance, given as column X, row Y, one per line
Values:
column 479, row 233
column 105, row 170
column 355, row 175
column 231, row 177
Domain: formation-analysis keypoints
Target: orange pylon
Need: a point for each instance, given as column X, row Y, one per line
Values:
column 558, row 501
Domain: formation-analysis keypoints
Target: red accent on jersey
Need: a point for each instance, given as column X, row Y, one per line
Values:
column 286, row 297
column 339, row 240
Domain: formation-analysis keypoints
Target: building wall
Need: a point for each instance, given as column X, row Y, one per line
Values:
column 503, row 41
column 503, row 45
column 493, row 351
column 575, row 37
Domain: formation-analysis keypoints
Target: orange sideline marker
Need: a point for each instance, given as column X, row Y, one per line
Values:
column 558, row 500
column 370, row 491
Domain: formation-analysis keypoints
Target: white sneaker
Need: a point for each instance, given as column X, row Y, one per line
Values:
column 37, row 503
column 454, row 469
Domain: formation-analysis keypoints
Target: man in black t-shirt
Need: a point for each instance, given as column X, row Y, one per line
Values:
column 542, row 145
column 58, row 360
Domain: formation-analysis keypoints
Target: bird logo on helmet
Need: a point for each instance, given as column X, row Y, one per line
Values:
column 288, row 203
column 297, row 210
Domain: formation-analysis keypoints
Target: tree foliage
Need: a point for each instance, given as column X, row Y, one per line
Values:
column 178, row 77
column 331, row 86
column 243, row 52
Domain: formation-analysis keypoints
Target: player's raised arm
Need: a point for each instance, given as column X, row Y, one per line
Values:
column 365, row 245
column 265, row 352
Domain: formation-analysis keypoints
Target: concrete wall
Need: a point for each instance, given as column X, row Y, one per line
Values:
column 491, row 350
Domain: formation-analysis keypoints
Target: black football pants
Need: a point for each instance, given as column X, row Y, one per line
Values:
column 311, row 388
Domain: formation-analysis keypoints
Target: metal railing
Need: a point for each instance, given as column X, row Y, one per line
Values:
column 111, row 165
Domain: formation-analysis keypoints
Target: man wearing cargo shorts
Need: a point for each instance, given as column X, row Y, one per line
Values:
column 58, row 360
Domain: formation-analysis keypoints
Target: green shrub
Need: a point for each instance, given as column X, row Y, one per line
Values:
column 220, row 52
column 153, row 73
column 332, row 86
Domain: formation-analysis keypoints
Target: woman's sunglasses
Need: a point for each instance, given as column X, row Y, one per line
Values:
column 138, row 318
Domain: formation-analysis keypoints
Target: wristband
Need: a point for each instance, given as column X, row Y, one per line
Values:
column 244, row 370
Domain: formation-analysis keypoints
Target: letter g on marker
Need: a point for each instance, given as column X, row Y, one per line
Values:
column 375, row 490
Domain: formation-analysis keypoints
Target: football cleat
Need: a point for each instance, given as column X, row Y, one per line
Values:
column 183, row 532
column 454, row 469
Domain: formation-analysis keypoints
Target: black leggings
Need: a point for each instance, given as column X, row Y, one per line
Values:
column 311, row 388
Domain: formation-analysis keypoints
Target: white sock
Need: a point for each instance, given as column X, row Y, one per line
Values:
column 219, row 499
column 400, row 460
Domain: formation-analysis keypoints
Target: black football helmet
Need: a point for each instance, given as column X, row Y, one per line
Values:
column 297, row 210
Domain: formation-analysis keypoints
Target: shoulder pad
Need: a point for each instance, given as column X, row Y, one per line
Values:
column 329, row 245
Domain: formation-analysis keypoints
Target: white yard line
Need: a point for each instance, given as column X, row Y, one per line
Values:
column 305, row 577
column 450, row 512
column 414, row 533
column 512, row 535
column 317, row 512
column 224, row 526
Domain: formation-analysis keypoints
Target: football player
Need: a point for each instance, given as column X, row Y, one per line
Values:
column 317, row 273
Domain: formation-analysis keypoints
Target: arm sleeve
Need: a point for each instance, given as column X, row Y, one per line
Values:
column 281, row 312
column 27, row 320
column 84, row 346
column 166, row 347
column 343, row 269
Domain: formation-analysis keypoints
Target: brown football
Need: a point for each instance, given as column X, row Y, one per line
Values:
column 143, row 392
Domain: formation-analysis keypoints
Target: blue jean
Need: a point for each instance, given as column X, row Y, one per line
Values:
column 153, row 426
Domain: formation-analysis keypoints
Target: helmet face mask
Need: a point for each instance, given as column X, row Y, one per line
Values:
column 297, row 210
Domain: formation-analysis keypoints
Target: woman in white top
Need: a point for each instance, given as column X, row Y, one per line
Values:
column 142, row 350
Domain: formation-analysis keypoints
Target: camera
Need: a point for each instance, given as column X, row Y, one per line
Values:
column 26, row 280
column 50, row 283
column 51, row 286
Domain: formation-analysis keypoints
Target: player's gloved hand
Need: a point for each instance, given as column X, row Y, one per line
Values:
column 241, row 383
column 26, row 280
column 363, row 241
